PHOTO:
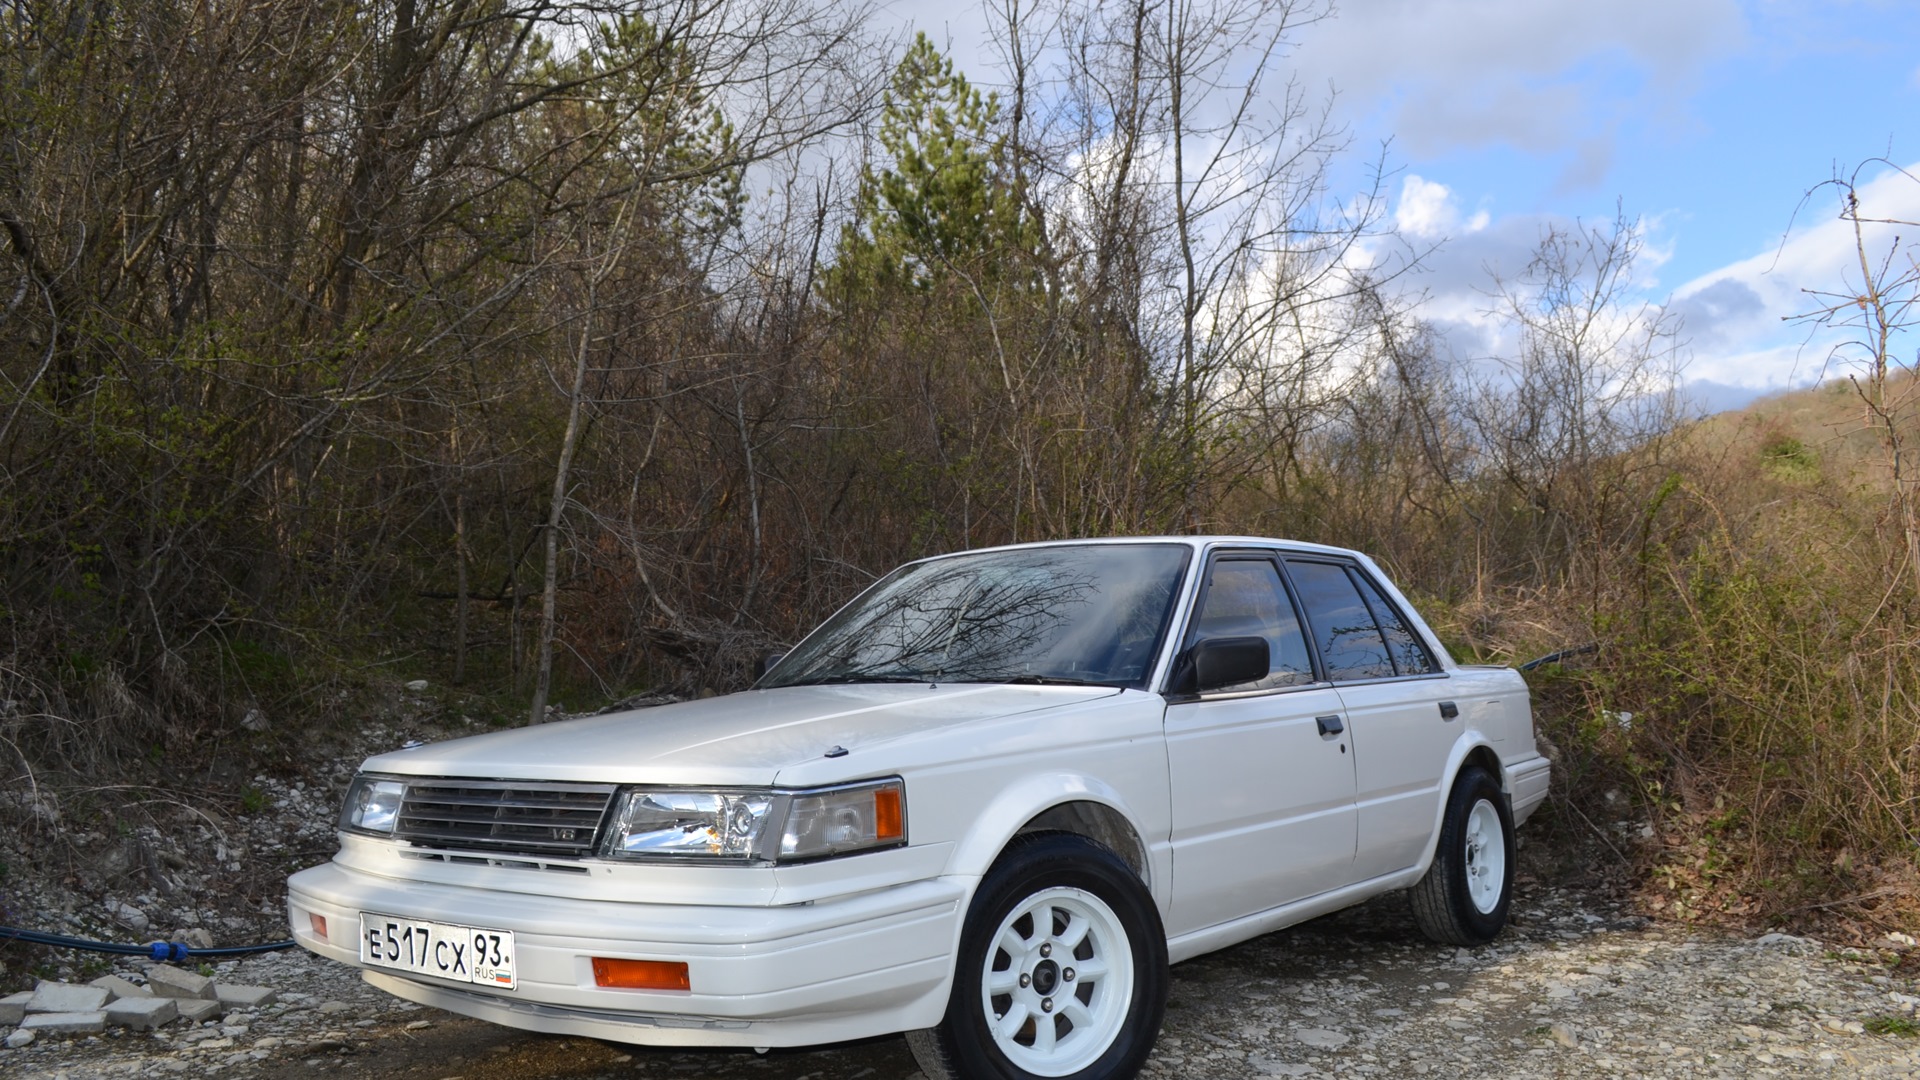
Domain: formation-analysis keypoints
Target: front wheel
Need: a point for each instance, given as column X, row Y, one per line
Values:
column 1062, row 970
column 1463, row 899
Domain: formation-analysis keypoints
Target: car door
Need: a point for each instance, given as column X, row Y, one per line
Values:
column 1262, row 783
column 1391, row 689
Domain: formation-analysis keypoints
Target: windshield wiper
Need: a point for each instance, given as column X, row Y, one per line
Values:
column 1032, row 680
column 856, row 677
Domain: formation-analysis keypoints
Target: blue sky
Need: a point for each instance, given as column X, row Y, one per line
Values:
column 1706, row 120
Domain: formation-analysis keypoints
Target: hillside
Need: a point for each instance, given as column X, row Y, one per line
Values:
column 1822, row 432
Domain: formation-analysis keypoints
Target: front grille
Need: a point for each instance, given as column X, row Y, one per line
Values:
column 523, row 817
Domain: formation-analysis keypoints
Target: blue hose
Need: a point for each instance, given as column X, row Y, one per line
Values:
column 163, row 951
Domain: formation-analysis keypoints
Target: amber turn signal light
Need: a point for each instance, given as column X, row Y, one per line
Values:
column 319, row 924
column 639, row 974
column 886, row 814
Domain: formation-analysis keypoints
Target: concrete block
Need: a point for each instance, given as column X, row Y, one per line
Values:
column 53, row 997
column 65, row 1023
column 244, row 997
column 198, row 1009
column 13, row 1007
column 117, row 988
column 168, row 981
column 142, row 1013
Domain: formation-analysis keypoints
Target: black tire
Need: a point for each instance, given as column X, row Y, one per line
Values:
column 1079, row 883
column 1454, row 904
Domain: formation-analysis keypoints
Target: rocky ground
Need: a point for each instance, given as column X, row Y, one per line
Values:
column 1570, row 991
column 1579, row 986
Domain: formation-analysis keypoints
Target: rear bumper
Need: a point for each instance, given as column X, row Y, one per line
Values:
column 1527, row 785
column 844, row 968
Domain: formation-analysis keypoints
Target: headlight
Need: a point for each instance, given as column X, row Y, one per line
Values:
column 726, row 824
column 760, row 826
column 373, row 804
column 840, row 820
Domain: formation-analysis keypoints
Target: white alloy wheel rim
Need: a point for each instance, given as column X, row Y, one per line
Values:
column 1058, row 981
column 1486, row 857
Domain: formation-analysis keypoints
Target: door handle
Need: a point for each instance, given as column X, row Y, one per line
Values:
column 1448, row 710
column 1330, row 725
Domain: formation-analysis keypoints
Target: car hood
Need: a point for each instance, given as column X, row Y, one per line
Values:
column 744, row 738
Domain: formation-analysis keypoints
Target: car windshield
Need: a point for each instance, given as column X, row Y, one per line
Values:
column 1088, row 614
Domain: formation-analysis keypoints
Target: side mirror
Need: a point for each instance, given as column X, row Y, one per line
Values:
column 1227, row 661
column 766, row 663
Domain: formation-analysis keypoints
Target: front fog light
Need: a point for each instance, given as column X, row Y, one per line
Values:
column 373, row 805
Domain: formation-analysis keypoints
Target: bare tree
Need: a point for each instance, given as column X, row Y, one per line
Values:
column 1586, row 388
column 1185, row 178
column 1874, row 310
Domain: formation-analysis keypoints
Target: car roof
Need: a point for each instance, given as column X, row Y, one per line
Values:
column 1195, row 542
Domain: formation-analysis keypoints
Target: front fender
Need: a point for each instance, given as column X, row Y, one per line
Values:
column 1008, row 811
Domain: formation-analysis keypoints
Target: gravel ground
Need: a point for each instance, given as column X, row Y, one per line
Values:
column 1568, row 991
column 1578, row 985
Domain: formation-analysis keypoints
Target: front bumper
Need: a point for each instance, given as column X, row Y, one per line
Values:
column 824, row 971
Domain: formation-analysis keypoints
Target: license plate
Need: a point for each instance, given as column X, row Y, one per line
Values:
column 470, row 954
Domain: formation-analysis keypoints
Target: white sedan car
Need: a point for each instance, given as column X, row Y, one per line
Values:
column 987, row 804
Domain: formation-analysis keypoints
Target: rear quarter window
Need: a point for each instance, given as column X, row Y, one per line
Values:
column 1409, row 655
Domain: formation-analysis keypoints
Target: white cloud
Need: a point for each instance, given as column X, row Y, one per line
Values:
column 1427, row 210
column 1741, row 317
column 1530, row 74
column 1541, row 76
column 1737, row 321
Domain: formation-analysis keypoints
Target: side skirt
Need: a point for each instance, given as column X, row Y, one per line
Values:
column 1200, row 942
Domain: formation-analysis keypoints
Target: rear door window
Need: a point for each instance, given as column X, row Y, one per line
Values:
column 1350, row 641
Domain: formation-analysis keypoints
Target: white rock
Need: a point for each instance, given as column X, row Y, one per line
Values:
column 142, row 1013
column 128, row 916
column 66, row 1023
column 244, row 997
column 417, row 685
column 1321, row 1037
column 18, row 1038
column 168, row 981
column 198, row 1009
column 117, row 988
column 55, row 997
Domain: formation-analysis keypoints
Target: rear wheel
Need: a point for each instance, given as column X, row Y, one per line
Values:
column 1463, row 900
column 1062, row 970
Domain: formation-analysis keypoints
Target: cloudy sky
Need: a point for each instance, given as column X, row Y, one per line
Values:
column 1708, row 121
